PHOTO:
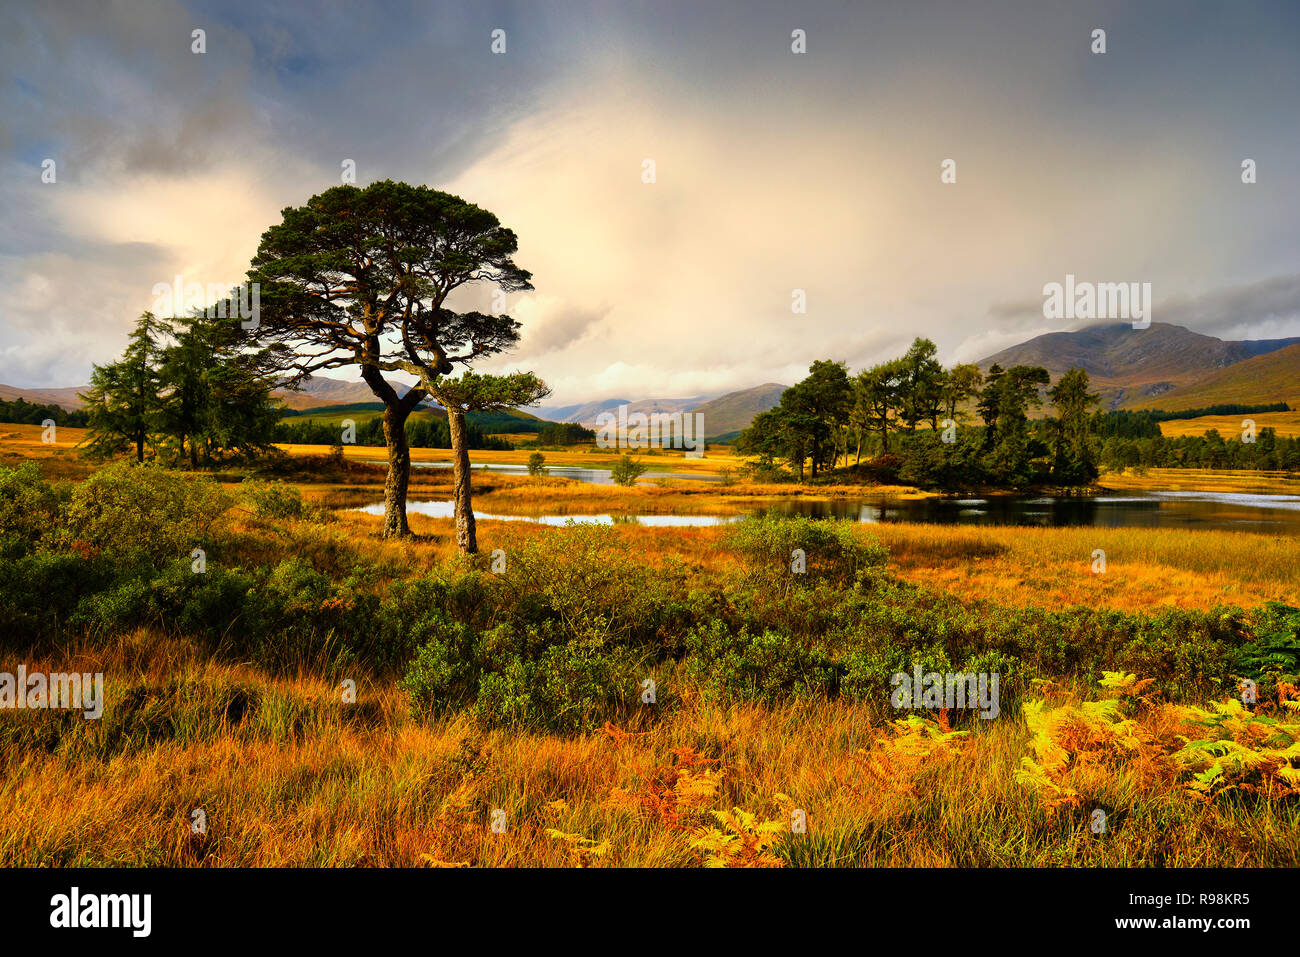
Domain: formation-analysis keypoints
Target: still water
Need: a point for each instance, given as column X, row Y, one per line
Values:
column 1274, row 514
column 593, row 476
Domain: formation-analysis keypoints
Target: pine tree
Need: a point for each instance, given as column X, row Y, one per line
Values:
column 1074, row 458
column 122, row 403
column 216, row 395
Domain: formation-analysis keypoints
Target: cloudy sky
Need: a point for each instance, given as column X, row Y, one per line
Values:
column 774, row 171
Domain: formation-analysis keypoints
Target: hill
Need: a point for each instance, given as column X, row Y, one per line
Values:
column 582, row 412
column 318, row 391
column 1130, row 366
column 588, row 412
column 1271, row 377
column 65, row 398
column 727, row 415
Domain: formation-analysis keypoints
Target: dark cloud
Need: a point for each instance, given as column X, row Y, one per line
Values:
column 1258, row 305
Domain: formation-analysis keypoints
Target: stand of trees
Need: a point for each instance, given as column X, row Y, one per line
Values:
column 920, row 423
column 1209, row 451
column 932, row 426
column 564, row 433
column 187, row 391
column 22, row 412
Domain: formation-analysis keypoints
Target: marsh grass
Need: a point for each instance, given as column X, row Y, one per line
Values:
column 298, row 780
column 289, row 774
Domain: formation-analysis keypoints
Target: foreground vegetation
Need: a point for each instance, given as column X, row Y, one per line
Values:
column 524, row 689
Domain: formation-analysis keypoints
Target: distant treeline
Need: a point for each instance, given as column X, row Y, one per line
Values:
column 1134, row 440
column 564, row 433
column 421, row 433
column 1225, row 408
column 22, row 412
column 1267, row 452
column 1144, row 424
column 1124, row 424
column 489, row 423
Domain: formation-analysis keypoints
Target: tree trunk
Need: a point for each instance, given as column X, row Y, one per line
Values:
column 399, row 473
column 139, row 447
column 466, row 540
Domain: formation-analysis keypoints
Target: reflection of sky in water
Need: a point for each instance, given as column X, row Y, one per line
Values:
column 592, row 476
column 1277, row 514
column 1290, row 502
column 447, row 510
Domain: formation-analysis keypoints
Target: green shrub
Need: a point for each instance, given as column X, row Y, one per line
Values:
column 506, row 697
column 40, row 589
column 272, row 499
column 587, row 580
column 626, row 471
column 834, row 548
column 29, row 506
column 441, row 678
column 536, row 464
column 571, row 687
column 163, row 513
column 769, row 667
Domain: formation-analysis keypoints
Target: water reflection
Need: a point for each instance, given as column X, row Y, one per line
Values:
column 591, row 476
column 1207, row 510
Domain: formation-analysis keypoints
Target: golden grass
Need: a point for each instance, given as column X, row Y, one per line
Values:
column 374, row 788
column 1203, row 480
column 585, row 456
column 1287, row 425
column 58, row 460
column 302, row 780
column 1146, row 568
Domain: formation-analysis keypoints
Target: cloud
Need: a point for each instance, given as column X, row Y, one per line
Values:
column 775, row 171
column 1237, row 312
column 551, row 325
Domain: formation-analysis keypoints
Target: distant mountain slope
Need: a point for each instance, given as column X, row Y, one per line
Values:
column 317, row 391
column 588, row 412
column 65, row 398
column 1130, row 365
column 734, row 411
column 581, row 412
column 320, row 390
column 1271, row 377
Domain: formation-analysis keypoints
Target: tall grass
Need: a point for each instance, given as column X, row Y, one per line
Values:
column 299, row 781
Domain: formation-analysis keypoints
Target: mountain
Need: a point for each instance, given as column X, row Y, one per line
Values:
column 319, row 391
column 728, row 414
column 65, row 398
column 1271, row 377
column 588, row 412
column 1130, row 366
column 583, row 412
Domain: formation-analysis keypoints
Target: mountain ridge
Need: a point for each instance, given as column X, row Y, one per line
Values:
column 1129, row 366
